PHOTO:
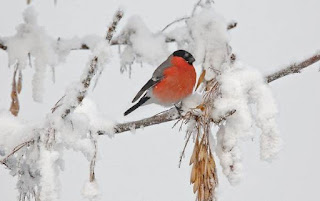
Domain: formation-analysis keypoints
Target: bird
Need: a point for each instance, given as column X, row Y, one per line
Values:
column 171, row 82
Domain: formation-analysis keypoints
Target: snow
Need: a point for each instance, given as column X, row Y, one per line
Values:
column 244, row 89
column 32, row 39
column 14, row 131
column 49, row 180
column 191, row 102
column 91, row 191
column 210, row 40
column 144, row 46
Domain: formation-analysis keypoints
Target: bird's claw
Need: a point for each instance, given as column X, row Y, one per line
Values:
column 179, row 108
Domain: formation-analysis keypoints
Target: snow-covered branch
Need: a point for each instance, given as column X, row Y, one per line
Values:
column 81, row 44
column 42, row 176
column 168, row 115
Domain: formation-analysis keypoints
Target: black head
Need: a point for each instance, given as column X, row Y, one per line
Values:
column 185, row 55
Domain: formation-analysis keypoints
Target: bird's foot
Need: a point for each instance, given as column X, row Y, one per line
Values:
column 178, row 106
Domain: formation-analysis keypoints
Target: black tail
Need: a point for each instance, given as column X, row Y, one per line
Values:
column 138, row 104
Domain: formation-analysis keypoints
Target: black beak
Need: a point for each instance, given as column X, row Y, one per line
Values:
column 191, row 60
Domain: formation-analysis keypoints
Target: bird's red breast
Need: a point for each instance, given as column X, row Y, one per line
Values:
column 177, row 83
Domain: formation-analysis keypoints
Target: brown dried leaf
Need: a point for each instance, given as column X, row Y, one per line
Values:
column 194, row 153
column 200, row 194
column 196, row 185
column 206, row 194
column 14, row 108
column 203, row 153
column 201, row 107
column 201, row 78
column 193, row 174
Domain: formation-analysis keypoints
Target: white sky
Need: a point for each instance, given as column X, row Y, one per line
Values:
column 143, row 166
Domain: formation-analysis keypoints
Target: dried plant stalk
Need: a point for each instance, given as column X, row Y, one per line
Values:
column 203, row 174
column 201, row 78
column 14, row 108
column 19, row 85
column 93, row 162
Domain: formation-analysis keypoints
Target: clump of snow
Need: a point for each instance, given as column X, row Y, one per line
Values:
column 64, row 46
column 91, row 191
column 32, row 39
column 266, row 110
column 244, row 89
column 49, row 182
column 229, row 154
column 192, row 101
column 210, row 40
column 96, row 120
column 14, row 131
column 205, row 36
column 143, row 46
column 182, row 37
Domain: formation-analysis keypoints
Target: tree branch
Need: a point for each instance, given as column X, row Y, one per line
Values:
column 17, row 148
column 172, row 114
column 173, row 22
column 92, row 70
column 2, row 46
column 84, row 46
column 294, row 68
column 85, row 82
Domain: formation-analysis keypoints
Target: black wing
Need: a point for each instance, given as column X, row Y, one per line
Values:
column 147, row 86
column 141, row 102
column 156, row 77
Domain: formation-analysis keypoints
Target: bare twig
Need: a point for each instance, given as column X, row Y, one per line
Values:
column 195, row 7
column 294, row 68
column 2, row 46
column 232, row 25
column 184, row 148
column 17, row 148
column 175, row 21
column 93, row 161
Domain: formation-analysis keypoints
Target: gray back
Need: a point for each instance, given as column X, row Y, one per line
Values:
column 158, row 73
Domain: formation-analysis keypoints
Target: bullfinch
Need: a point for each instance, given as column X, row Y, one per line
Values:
column 170, row 83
